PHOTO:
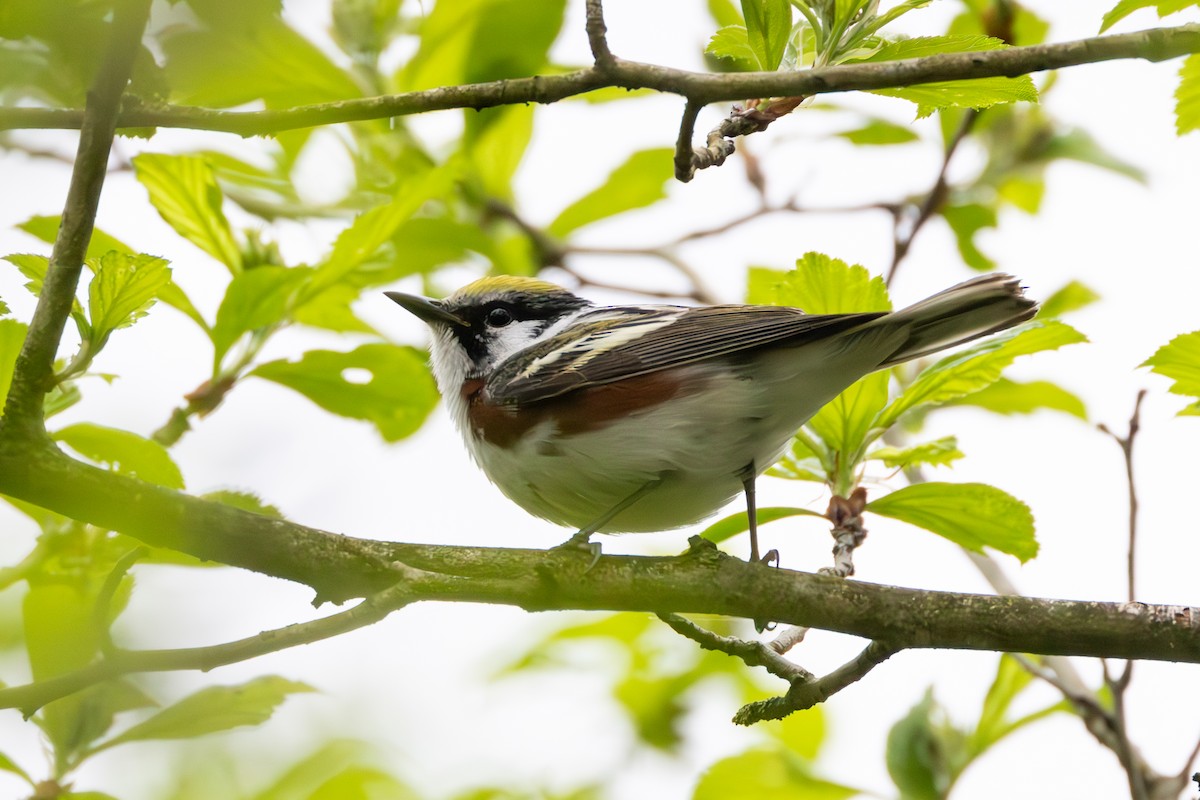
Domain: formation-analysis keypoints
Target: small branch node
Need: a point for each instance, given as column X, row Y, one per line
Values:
column 848, row 532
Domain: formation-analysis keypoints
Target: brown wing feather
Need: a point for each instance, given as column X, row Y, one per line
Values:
column 696, row 335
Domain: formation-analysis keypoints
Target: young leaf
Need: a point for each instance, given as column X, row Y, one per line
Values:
column 8, row 765
column 123, row 452
column 396, row 398
column 844, row 422
column 46, row 228
column 1187, row 96
column 737, row 523
column 34, row 268
column 1011, row 679
column 304, row 776
column 1179, row 360
column 939, row 452
column 213, row 709
column 1071, row 297
column 4, row 309
column 1009, row 397
column 372, row 229
column 768, row 774
column 256, row 298
column 972, row 515
column 1127, row 7
column 924, row 753
column 732, row 42
column 768, row 27
column 639, row 182
column 973, row 93
column 184, row 192
column 497, row 150
column 12, row 336
column 123, row 289
column 977, row 366
column 820, row 285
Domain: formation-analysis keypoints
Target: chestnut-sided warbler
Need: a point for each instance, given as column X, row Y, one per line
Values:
column 651, row 417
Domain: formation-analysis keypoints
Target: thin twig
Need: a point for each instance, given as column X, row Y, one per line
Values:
column 754, row 654
column 804, row 695
column 934, row 200
column 597, row 34
column 788, row 637
column 1126, row 445
column 848, row 532
column 1158, row 44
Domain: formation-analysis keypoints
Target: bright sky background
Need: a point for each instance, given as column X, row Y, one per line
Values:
column 415, row 683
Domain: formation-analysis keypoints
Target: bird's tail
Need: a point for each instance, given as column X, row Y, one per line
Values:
column 983, row 305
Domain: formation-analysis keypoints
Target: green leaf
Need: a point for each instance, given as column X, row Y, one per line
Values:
column 497, row 150
column 768, row 28
column 1127, row 7
column 765, row 774
column 924, row 753
column 878, row 131
column 46, row 229
column 737, row 523
column 4, row 309
column 939, row 452
column 1179, row 360
column 246, row 501
column 367, row 783
column 303, row 777
column 973, row 93
column 1009, row 397
column 637, row 183
column 371, row 230
column 801, row 733
column 972, row 515
column 843, row 423
column 396, row 398
column 1076, row 144
column 1187, row 96
column 732, row 42
column 1011, row 679
column 820, row 285
column 34, row 268
column 122, row 452
column 255, row 299
column 1070, row 297
column 331, row 310
column 978, row 366
column 213, row 709
column 8, row 765
column 123, row 289
column 185, row 193
column 966, row 221
column 12, row 337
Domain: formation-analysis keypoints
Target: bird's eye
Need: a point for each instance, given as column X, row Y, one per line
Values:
column 499, row 317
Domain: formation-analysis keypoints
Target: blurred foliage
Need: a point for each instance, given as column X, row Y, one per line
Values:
column 415, row 206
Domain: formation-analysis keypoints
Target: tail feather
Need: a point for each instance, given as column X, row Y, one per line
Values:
column 962, row 313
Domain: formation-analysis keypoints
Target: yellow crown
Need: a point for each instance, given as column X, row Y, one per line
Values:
column 504, row 284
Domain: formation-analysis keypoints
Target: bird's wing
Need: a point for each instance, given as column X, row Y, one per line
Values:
column 603, row 347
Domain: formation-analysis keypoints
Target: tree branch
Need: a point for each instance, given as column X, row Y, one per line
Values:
column 1158, row 44
column 34, row 372
column 703, row 581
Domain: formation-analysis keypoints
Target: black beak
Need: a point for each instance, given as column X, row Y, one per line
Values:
column 430, row 311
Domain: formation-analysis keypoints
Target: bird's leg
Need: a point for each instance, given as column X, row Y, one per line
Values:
column 582, row 538
column 748, row 475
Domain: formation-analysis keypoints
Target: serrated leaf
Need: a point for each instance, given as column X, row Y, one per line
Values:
column 768, row 27
column 939, row 452
column 123, row 290
column 396, row 397
column 639, row 182
column 257, row 298
column 1071, row 297
column 213, row 709
column 1127, row 7
column 371, row 230
column 122, row 452
column 1009, row 397
column 1179, row 360
column 973, row 93
column 972, row 515
column 977, row 366
column 769, row 775
column 820, row 285
column 731, row 42
column 1187, row 96
column 185, row 193
column 738, row 523
column 879, row 132
column 966, row 221
column 12, row 337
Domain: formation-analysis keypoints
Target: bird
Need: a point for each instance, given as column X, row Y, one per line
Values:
column 631, row 418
